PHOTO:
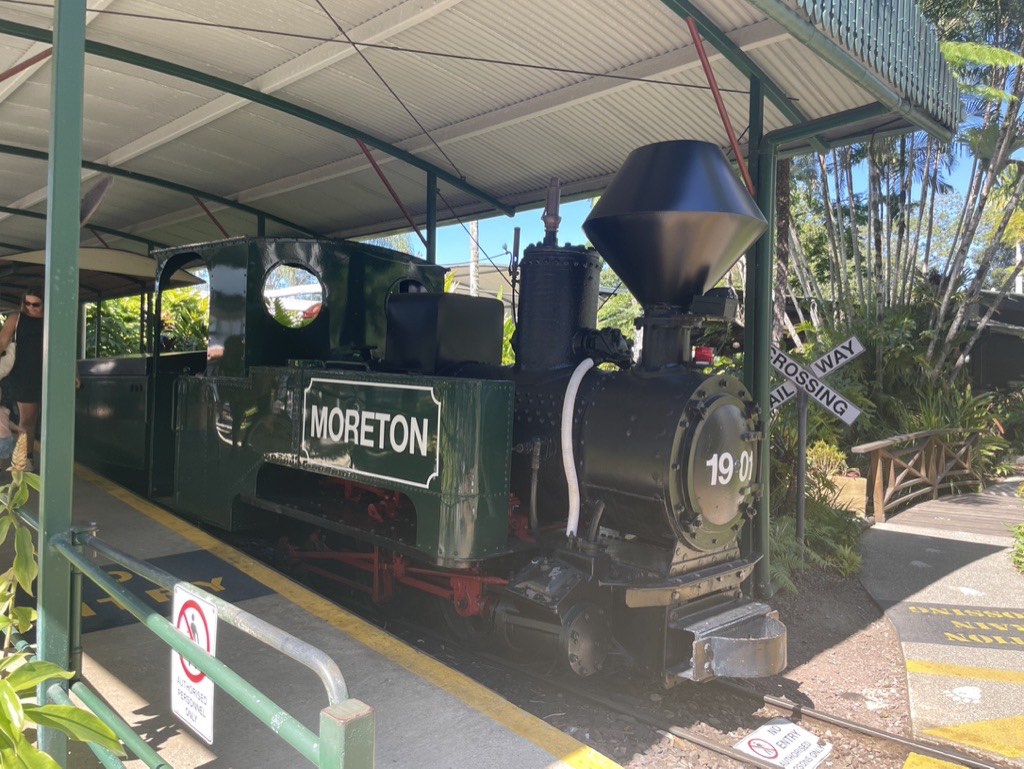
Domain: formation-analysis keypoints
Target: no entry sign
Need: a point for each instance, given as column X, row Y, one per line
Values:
column 191, row 689
column 784, row 744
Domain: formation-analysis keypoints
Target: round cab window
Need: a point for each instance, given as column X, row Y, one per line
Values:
column 293, row 296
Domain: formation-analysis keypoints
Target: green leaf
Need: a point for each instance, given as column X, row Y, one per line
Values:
column 21, row 496
column 12, row 717
column 5, row 525
column 12, row 661
column 34, row 673
column 33, row 480
column 76, row 723
column 25, row 567
column 25, row 755
column 24, row 617
column 961, row 55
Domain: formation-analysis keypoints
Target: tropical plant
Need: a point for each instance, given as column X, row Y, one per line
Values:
column 945, row 407
column 877, row 231
column 185, row 316
column 618, row 309
column 20, row 673
column 831, row 537
column 508, row 353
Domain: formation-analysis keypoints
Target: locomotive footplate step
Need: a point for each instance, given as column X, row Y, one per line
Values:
column 426, row 715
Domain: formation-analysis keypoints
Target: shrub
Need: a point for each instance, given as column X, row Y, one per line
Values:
column 825, row 459
column 1017, row 551
column 831, row 538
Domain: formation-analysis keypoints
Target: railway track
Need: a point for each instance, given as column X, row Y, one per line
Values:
column 503, row 674
column 636, row 708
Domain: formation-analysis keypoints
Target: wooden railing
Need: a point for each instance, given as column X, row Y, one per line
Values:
column 905, row 468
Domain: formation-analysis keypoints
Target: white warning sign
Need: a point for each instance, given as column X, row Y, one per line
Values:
column 800, row 378
column 191, row 688
column 835, row 358
column 785, row 744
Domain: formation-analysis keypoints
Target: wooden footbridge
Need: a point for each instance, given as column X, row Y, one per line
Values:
column 993, row 512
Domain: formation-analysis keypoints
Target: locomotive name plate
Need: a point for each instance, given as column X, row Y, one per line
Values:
column 374, row 429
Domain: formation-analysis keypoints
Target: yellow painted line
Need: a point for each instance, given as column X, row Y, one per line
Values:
column 516, row 720
column 917, row 761
column 959, row 671
column 1004, row 736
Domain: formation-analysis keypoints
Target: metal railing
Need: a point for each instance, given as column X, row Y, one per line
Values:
column 346, row 730
column 906, row 468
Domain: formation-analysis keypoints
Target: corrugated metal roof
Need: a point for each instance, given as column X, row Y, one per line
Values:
column 509, row 94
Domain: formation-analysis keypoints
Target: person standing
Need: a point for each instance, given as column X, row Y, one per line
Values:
column 26, row 377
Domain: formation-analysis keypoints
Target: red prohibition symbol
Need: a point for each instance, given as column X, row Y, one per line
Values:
column 198, row 635
column 762, row 748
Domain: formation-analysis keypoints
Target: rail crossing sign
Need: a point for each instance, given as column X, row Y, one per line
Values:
column 191, row 688
column 809, row 381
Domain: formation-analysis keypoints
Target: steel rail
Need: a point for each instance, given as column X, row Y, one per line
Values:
column 101, row 710
column 908, row 742
column 626, row 708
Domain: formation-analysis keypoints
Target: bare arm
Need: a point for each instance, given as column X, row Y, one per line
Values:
column 7, row 332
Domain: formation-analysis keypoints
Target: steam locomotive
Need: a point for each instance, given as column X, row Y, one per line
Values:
column 576, row 504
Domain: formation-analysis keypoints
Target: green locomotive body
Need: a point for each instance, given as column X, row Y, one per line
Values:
column 560, row 505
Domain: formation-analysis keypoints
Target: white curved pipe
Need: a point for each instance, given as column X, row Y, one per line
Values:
column 568, row 460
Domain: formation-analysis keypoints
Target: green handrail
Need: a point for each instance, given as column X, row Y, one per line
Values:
column 346, row 738
column 132, row 741
column 248, row 696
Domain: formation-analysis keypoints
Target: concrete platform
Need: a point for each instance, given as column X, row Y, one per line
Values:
column 942, row 573
column 427, row 715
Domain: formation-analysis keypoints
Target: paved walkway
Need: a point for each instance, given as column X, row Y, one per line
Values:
column 941, row 571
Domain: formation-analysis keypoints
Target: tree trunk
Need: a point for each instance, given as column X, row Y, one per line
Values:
column 782, row 252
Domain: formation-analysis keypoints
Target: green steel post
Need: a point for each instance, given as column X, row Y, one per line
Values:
column 432, row 218
column 764, row 255
column 346, row 736
column 755, row 133
column 60, row 321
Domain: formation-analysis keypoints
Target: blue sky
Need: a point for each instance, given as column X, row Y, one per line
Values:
column 497, row 232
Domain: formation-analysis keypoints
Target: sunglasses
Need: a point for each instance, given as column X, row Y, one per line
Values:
column 33, row 304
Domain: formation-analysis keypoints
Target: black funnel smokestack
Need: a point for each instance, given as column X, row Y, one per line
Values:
column 672, row 222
